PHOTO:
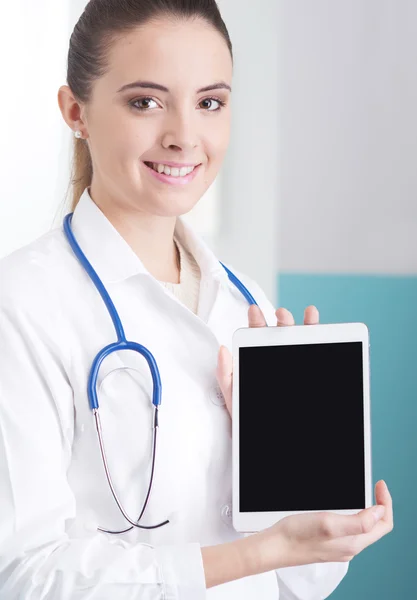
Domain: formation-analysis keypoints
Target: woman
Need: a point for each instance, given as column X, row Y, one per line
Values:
column 148, row 98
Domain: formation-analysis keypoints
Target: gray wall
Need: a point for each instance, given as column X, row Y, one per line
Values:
column 249, row 214
column 348, row 136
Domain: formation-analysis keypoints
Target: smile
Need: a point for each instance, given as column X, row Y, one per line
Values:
column 172, row 175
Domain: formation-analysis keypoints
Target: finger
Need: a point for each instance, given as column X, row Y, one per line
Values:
column 311, row 315
column 385, row 525
column 255, row 316
column 284, row 317
column 224, row 374
column 383, row 497
column 370, row 524
column 338, row 526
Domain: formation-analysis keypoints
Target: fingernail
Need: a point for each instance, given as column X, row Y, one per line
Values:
column 378, row 512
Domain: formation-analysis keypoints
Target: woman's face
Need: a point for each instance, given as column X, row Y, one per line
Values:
column 130, row 129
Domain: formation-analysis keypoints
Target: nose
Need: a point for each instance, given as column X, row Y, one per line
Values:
column 180, row 133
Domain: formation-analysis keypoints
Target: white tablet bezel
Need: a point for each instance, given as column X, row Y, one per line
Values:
column 296, row 334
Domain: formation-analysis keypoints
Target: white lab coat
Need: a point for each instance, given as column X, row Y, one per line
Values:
column 53, row 489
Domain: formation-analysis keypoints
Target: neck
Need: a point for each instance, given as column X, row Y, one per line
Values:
column 151, row 237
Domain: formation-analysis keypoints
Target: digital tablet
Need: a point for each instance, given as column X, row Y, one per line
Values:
column 301, row 422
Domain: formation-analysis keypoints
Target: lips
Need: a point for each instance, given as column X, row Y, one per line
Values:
column 173, row 170
column 176, row 179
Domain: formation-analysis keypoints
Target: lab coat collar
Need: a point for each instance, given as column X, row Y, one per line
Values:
column 112, row 257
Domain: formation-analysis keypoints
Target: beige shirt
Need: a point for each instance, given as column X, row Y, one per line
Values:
column 187, row 291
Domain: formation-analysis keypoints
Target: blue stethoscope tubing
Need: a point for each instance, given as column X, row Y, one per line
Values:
column 123, row 344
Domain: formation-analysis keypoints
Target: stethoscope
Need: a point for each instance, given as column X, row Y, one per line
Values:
column 123, row 344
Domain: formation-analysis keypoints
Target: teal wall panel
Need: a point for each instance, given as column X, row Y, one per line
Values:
column 386, row 570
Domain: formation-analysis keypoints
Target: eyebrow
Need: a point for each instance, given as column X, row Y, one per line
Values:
column 156, row 86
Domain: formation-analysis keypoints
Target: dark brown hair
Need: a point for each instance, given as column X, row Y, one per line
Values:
column 100, row 25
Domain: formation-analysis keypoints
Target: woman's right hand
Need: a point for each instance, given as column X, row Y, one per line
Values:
column 300, row 539
column 322, row 536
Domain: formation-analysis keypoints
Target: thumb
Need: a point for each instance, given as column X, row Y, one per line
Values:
column 224, row 375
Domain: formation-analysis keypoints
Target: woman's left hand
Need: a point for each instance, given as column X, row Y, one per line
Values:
column 224, row 371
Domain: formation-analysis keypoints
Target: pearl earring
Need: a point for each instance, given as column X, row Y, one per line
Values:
column 78, row 134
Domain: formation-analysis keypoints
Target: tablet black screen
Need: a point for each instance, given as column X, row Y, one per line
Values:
column 301, row 424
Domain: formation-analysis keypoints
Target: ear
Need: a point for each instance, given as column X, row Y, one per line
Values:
column 71, row 110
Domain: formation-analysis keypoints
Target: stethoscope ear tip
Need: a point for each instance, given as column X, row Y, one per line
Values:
column 83, row 526
column 173, row 517
column 92, row 526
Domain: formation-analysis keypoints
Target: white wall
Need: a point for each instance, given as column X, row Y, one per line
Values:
column 33, row 158
column 348, row 136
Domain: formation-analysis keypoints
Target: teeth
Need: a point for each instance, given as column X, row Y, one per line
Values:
column 173, row 171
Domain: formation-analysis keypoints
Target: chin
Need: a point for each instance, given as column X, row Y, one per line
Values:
column 174, row 207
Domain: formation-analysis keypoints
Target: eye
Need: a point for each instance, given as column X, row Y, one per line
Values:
column 221, row 103
column 143, row 99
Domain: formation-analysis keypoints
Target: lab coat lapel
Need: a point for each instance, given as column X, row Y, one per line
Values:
column 114, row 260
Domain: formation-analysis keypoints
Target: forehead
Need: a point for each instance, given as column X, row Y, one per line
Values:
column 184, row 52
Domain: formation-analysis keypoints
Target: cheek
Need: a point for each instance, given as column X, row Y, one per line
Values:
column 131, row 141
column 113, row 142
column 140, row 135
column 218, row 141
column 123, row 137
